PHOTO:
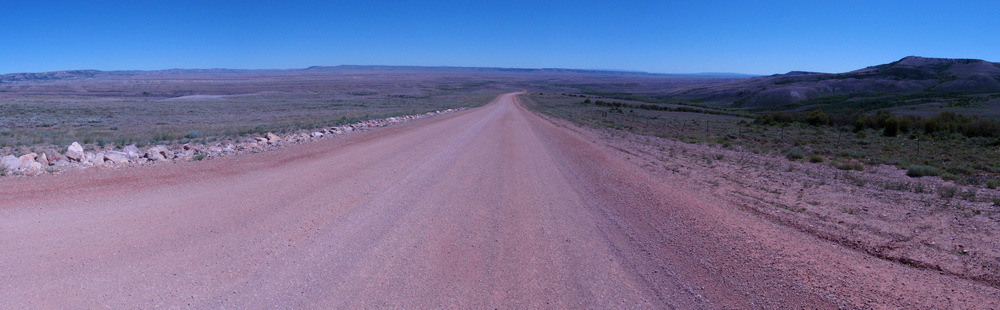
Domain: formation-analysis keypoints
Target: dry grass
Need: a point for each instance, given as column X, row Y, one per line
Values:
column 971, row 161
column 38, row 122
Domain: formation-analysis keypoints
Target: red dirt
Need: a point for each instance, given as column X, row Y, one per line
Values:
column 491, row 207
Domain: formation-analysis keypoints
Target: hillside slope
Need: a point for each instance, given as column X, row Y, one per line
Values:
column 910, row 75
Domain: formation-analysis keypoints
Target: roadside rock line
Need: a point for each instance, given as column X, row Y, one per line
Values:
column 75, row 157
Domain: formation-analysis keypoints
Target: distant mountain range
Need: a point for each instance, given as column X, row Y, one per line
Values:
column 910, row 75
column 85, row 74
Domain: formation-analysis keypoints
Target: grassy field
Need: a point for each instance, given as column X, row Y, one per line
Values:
column 986, row 109
column 974, row 161
column 116, row 108
column 37, row 122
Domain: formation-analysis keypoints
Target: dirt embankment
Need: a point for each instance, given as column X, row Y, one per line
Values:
column 925, row 223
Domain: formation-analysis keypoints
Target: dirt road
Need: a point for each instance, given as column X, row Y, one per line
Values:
column 493, row 207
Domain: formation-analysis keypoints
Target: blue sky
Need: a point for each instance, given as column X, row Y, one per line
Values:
column 763, row 37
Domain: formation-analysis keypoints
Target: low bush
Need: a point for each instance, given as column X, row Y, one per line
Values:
column 916, row 171
column 856, row 180
column 969, row 195
column 850, row 166
column 947, row 176
column 899, row 186
column 947, row 192
column 816, row 159
column 795, row 154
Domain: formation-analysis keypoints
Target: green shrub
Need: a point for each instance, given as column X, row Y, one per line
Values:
column 916, row 171
column 899, row 186
column 852, row 154
column 817, row 117
column 947, row 192
column 947, row 176
column 856, row 180
column 969, row 195
column 993, row 183
column 891, row 127
column 816, row 159
column 795, row 154
column 850, row 166
column 193, row 134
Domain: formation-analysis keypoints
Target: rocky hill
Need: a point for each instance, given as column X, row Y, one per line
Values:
column 46, row 76
column 910, row 75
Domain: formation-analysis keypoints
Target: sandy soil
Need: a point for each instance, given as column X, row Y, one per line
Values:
column 491, row 207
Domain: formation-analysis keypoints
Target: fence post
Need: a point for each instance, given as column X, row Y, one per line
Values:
column 707, row 132
column 840, row 132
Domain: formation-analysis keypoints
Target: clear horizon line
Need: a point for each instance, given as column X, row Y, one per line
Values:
column 401, row 66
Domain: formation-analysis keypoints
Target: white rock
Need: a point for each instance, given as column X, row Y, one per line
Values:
column 132, row 152
column 158, row 153
column 116, row 157
column 75, row 152
column 155, row 156
column 29, row 165
column 97, row 159
column 34, row 168
column 43, row 159
column 53, row 156
column 185, row 155
column 272, row 138
column 10, row 163
column 215, row 150
column 27, row 158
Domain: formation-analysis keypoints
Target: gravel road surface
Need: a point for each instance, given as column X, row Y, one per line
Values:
column 493, row 207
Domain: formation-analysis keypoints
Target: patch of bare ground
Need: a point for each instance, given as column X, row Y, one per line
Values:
column 924, row 222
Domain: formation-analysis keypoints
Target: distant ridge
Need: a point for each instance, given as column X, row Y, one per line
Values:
column 722, row 74
column 56, row 75
column 496, row 69
column 84, row 74
column 909, row 75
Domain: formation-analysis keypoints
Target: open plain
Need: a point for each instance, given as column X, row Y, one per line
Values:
column 499, row 155
column 490, row 207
